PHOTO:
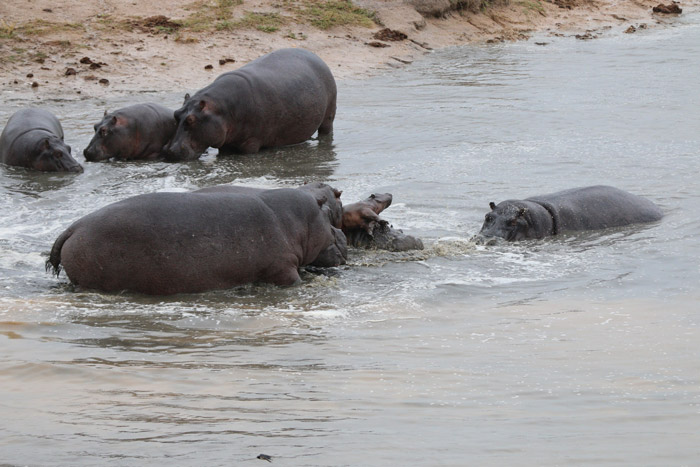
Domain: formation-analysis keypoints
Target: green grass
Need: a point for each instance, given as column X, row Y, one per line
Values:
column 331, row 13
column 209, row 15
column 532, row 5
column 7, row 30
column 265, row 22
column 40, row 27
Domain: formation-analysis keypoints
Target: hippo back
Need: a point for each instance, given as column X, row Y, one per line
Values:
column 596, row 207
column 22, row 122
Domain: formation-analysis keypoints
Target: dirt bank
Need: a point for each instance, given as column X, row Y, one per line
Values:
column 70, row 47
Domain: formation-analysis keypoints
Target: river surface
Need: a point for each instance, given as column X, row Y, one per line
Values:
column 578, row 350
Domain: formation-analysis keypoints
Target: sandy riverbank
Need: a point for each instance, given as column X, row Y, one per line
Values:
column 69, row 47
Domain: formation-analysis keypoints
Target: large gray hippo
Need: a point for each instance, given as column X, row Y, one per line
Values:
column 587, row 208
column 167, row 243
column 281, row 98
column 33, row 138
column 138, row 131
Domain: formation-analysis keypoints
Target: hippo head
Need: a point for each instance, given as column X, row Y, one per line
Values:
column 365, row 214
column 328, row 199
column 379, row 201
column 200, row 124
column 53, row 155
column 510, row 220
column 113, row 138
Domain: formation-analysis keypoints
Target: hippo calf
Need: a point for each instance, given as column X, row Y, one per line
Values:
column 587, row 208
column 281, row 98
column 33, row 138
column 364, row 228
column 364, row 215
column 136, row 132
column 167, row 243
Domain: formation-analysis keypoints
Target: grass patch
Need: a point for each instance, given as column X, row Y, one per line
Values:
column 209, row 15
column 265, row 22
column 7, row 30
column 331, row 13
column 40, row 27
column 532, row 5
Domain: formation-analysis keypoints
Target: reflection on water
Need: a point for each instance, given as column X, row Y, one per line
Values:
column 463, row 353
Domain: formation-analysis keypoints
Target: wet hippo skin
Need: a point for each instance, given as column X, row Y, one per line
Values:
column 587, row 208
column 139, row 131
column 167, row 243
column 281, row 98
column 33, row 138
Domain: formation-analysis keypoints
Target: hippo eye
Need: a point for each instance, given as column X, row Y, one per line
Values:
column 58, row 154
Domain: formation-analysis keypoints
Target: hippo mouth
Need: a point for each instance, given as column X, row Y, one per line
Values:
column 182, row 152
column 487, row 239
column 92, row 155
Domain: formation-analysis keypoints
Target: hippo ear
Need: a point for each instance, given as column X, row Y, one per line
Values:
column 106, row 112
column 492, row 205
column 337, row 193
column 113, row 121
column 372, row 196
column 187, row 97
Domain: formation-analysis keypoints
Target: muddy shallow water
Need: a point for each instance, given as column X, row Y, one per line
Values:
column 577, row 350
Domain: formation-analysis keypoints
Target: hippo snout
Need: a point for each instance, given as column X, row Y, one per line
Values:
column 487, row 239
column 95, row 153
column 176, row 152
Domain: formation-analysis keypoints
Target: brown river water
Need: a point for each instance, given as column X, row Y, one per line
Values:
column 578, row 350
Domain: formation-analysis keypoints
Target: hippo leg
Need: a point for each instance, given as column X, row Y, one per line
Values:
column 250, row 146
column 327, row 124
column 284, row 275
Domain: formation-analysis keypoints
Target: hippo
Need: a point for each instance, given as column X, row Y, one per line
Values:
column 135, row 132
column 168, row 243
column 336, row 254
column 364, row 215
column 586, row 208
column 364, row 228
column 279, row 99
column 383, row 237
column 33, row 138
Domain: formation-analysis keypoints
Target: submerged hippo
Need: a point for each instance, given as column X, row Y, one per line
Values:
column 281, row 98
column 384, row 237
column 588, row 208
column 33, row 138
column 136, row 132
column 167, row 243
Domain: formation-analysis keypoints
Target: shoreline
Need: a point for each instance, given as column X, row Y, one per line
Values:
column 92, row 57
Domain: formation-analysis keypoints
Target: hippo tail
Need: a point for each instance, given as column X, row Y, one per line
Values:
column 53, row 264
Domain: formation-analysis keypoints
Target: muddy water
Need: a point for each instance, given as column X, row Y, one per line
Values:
column 580, row 350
